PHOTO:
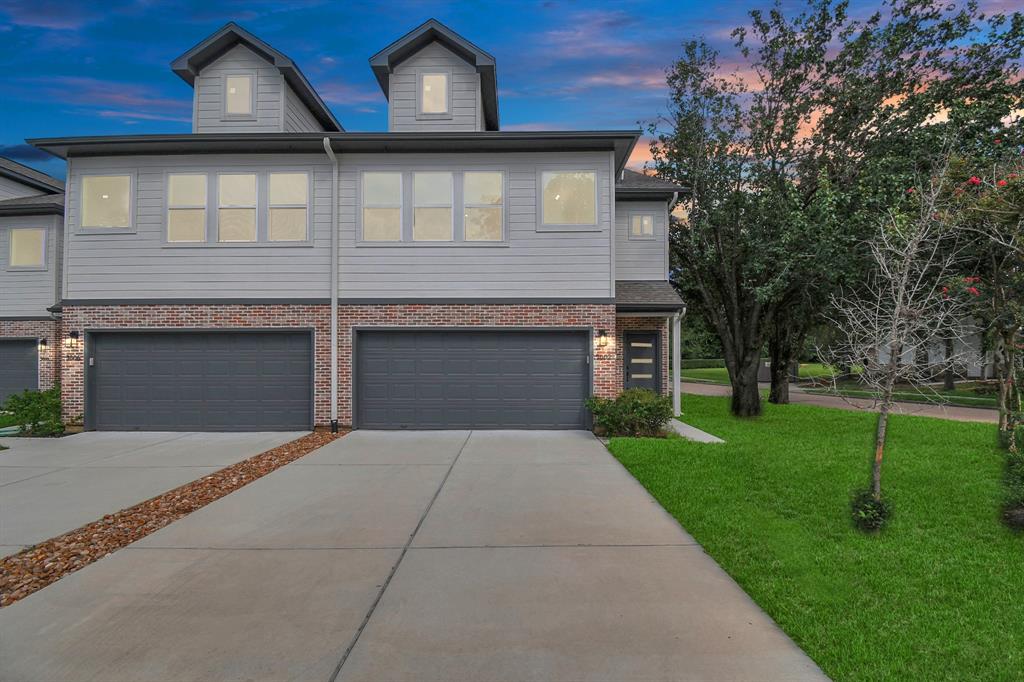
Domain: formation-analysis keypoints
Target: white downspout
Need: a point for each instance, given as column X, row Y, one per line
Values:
column 334, row 284
column 677, row 384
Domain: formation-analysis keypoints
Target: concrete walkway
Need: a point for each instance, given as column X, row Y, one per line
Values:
column 800, row 397
column 410, row 556
column 49, row 486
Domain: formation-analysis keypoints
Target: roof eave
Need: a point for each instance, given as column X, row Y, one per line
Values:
column 37, row 209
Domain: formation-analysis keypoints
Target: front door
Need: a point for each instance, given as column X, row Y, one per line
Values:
column 642, row 357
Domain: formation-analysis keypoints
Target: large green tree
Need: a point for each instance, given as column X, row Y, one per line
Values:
column 792, row 159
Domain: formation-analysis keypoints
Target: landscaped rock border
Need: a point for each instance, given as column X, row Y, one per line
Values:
column 36, row 567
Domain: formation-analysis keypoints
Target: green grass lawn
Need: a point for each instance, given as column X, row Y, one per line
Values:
column 720, row 375
column 936, row 596
column 959, row 397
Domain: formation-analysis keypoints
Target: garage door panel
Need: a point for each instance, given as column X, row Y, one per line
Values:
column 201, row 381
column 471, row 379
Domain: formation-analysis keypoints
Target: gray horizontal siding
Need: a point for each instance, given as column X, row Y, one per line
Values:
column 141, row 265
column 209, row 95
column 531, row 264
column 297, row 117
column 465, row 95
column 29, row 292
column 12, row 189
column 638, row 259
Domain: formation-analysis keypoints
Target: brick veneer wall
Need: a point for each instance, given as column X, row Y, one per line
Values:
column 645, row 324
column 607, row 362
column 49, row 356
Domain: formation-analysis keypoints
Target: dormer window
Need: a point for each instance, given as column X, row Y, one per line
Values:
column 435, row 91
column 238, row 95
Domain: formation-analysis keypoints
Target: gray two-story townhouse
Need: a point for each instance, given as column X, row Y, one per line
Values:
column 31, row 236
column 272, row 271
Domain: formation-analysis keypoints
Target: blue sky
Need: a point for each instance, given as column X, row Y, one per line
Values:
column 70, row 68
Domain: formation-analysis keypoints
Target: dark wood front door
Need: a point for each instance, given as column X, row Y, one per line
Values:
column 643, row 360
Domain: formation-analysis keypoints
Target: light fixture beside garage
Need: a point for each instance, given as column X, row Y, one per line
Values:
column 602, row 337
column 72, row 339
column 42, row 343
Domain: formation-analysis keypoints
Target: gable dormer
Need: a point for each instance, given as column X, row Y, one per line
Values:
column 18, row 181
column 436, row 80
column 243, row 85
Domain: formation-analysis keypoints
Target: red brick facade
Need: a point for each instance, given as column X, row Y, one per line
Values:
column 49, row 355
column 645, row 324
column 607, row 360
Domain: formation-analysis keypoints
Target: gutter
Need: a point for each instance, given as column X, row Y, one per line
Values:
column 334, row 283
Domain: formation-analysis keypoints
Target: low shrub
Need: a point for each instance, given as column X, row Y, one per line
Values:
column 869, row 514
column 36, row 412
column 636, row 412
column 1013, row 506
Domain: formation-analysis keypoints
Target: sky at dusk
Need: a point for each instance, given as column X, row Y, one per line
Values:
column 70, row 69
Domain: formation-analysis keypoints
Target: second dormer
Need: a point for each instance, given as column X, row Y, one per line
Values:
column 437, row 81
column 243, row 85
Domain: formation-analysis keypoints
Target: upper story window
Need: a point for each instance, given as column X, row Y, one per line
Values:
column 27, row 248
column 106, row 201
column 236, row 207
column 568, row 198
column 483, row 195
column 382, row 207
column 641, row 226
column 435, row 94
column 186, row 207
column 288, row 207
column 432, row 215
column 239, row 95
column 433, row 207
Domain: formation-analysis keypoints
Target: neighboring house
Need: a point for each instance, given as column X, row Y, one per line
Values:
column 31, row 234
column 272, row 271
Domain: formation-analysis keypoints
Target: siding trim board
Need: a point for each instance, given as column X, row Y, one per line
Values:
column 341, row 301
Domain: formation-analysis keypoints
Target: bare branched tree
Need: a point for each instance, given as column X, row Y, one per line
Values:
column 889, row 323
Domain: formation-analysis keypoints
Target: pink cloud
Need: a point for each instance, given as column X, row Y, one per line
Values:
column 340, row 92
column 594, row 33
column 641, row 154
column 118, row 99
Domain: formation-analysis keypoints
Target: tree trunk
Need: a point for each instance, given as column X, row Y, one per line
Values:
column 746, row 398
column 780, row 353
column 876, row 467
column 949, row 382
column 1003, row 361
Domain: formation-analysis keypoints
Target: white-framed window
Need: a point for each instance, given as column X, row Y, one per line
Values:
column 186, row 207
column 432, row 206
column 483, row 198
column 27, row 248
column 288, row 196
column 382, row 206
column 641, row 226
column 239, row 95
column 434, row 93
column 568, row 198
column 106, row 202
column 236, row 207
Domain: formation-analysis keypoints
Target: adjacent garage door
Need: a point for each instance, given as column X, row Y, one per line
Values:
column 472, row 379
column 201, row 381
column 19, row 366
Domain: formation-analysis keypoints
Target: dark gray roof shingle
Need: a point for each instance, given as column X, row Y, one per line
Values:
column 41, row 204
column 635, row 295
column 29, row 176
column 633, row 180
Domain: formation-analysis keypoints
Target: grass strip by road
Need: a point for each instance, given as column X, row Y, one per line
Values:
column 936, row 596
column 40, row 565
column 938, row 398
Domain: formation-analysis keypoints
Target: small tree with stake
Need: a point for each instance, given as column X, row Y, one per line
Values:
column 902, row 308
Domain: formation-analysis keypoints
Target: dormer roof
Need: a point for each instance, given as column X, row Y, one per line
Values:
column 384, row 62
column 231, row 34
column 29, row 177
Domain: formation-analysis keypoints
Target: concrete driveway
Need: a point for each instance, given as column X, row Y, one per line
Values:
column 410, row 556
column 49, row 486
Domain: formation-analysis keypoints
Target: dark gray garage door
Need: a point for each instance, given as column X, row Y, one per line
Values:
column 472, row 379
column 201, row 381
column 19, row 367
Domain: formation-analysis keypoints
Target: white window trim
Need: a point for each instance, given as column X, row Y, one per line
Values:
column 568, row 227
column 400, row 206
column 168, row 207
column 466, row 205
column 253, row 81
column 10, row 249
column 80, row 204
column 255, row 207
column 641, row 237
column 308, row 206
column 453, row 177
column 406, row 209
column 422, row 115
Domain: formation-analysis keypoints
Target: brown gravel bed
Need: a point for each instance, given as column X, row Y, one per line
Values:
column 36, row 567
